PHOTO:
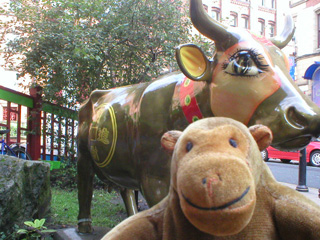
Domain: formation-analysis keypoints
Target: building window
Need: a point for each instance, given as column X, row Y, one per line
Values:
column 205, row 7
column 318, row 16
column 215, row 13
column 13, row 116
column 233, row 19
column 262, row 2
column 271, row 28
column 262, row 26
column 273, row 4
column 245, row 21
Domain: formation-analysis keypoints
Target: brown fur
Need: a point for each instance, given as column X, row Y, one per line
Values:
column 215, row 171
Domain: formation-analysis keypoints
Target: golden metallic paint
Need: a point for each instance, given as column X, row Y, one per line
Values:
column 145, row 111
column 99, row 135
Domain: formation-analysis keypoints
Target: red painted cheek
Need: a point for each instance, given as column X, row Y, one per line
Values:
column 239, row 97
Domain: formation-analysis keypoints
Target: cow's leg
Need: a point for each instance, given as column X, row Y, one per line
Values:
column 154, row 189
column 136, row 194
column 129, row 200
column 85, row 191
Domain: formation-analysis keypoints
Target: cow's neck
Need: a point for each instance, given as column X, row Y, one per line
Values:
column 194, row 99
column 203, row 98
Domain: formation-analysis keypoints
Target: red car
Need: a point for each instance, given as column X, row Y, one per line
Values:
column 313, row 154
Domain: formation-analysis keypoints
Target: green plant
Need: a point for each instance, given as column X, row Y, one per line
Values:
column 104, row 43
column 35, row 230
column 11, row 235
column 107, row 208
column 2, row 236
column 66, row 178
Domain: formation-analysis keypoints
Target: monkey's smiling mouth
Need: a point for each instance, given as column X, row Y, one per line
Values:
column 219, row 207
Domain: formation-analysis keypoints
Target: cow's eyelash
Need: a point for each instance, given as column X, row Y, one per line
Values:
column 256, row 57
column 248, row 76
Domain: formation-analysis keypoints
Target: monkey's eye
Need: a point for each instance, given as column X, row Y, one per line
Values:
column 189, row 146
column 233, row 143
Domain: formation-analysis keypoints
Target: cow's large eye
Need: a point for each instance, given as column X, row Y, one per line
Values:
column 244, row 63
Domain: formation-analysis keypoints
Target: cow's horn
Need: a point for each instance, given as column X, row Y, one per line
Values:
column 206, row 25
column 282, row 40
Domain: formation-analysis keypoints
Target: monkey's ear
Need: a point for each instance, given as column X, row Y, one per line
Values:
column 169, row 140
column 262, row 135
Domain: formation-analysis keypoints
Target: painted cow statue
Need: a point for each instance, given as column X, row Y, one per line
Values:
column 247, row 80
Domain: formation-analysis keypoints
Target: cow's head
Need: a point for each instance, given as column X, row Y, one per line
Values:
column 249, row 80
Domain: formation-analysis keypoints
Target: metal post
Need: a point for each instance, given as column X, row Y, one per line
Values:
column 302, row 187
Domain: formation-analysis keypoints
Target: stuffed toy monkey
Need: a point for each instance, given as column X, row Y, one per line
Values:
column 222, row 189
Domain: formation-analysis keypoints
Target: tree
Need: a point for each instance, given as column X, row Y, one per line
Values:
column 71, row 47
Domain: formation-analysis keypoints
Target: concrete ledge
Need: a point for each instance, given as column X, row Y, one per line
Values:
column 72, row 234
column 312, row 194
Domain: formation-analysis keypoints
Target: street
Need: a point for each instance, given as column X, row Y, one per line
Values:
column 289, row 173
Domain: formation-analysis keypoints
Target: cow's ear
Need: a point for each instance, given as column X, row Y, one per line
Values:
column 169, row 140
column 262, row 135
column 193, row 63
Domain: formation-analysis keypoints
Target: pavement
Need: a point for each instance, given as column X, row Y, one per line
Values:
column 312, row 193
column 99, row 232
column 72, row 234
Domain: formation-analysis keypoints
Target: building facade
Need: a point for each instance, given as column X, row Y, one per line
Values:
column 266, row 18
column 306, row 15
column 262, row 17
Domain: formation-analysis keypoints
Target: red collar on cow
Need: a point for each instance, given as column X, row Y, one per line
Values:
column 188, row 102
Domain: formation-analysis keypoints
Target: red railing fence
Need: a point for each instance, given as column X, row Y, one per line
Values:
column 48, row 131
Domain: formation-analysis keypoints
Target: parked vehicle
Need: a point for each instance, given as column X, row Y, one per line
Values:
column 16, row 149
column 312, row 157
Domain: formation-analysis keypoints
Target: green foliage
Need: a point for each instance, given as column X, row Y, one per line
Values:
column 35, row 230
column 14, row 129
column 206, row 44
column 4, row 236
column 66, row 178
column 106, row 209
column 72, row 47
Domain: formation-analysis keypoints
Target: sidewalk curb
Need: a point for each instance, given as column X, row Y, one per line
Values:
column 72, row 234
column 312, row 194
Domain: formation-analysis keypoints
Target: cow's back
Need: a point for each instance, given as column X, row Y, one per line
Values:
column 122, row 128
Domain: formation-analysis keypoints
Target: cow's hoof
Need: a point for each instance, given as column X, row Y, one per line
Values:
column 85, row 227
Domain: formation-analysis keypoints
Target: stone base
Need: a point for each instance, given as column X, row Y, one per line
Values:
column 25, row 191
column 72, row 234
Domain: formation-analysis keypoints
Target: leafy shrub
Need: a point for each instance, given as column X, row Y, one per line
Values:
column 35, row 230
column 66, row 178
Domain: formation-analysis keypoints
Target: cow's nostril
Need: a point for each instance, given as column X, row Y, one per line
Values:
column 296, row 118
